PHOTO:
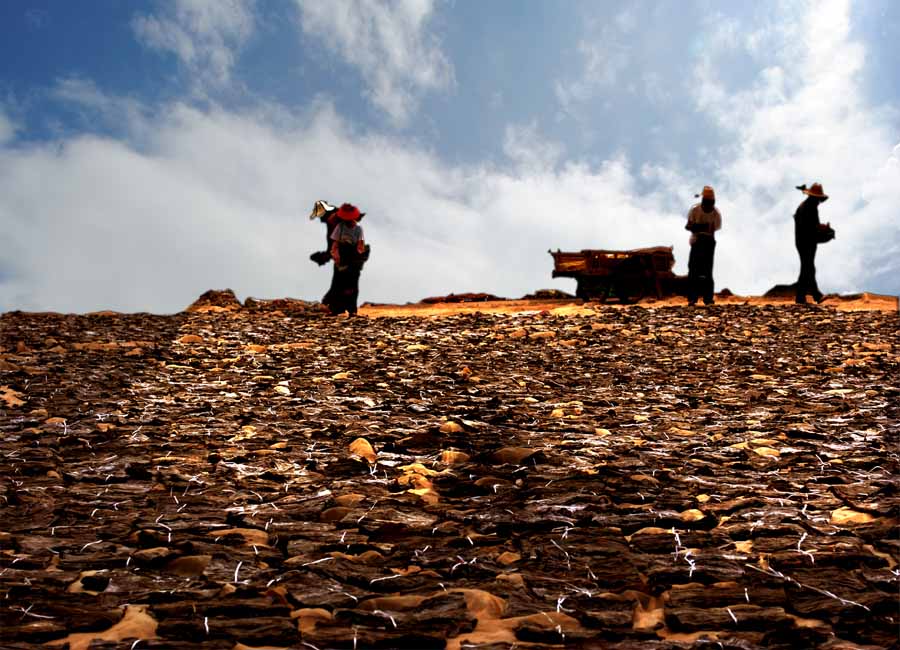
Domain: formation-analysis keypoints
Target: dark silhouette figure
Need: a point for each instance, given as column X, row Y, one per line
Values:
column 703, row 222
column 349, row 252
column 807, row 233
column 344, row 290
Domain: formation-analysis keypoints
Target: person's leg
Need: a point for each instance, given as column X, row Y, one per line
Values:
column 693, row 272
column 812, row 285
column 352, row 290
column 709, row 283
column 339, row 291
column 803, row 278
column 331, row 297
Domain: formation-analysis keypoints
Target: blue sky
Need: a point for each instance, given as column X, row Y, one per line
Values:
column 151, row 151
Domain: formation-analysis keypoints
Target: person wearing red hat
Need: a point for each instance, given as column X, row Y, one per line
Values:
column 806, row 237
column 349, row 252
column 703, row 222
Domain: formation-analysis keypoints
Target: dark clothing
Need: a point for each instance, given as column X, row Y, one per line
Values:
column 323, row 257
column 344, row 291
column 700, row 269
column 806, row 223
column 331, row 222
column 806, row 227
column 806, row 283
column 703, row 221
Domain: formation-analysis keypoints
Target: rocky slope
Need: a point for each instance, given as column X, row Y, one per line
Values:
column 621, row 478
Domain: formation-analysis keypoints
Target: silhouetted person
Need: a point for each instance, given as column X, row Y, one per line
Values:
column 328, row 215
column 349, row 252
column 806, row 237
column 703, row 222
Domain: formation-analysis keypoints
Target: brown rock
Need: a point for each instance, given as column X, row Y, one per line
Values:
column 152, row 554
column 189, row 565
column 213, row 300
column 451, row 457
column 250, row 535
column 11, row 397
column 363, row 448
column 451, row 427
column 335, row 514
column 508, row 557
column 349, row 500
column 514, row 455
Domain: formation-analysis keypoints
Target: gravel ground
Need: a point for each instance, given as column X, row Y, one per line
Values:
column 614, row 478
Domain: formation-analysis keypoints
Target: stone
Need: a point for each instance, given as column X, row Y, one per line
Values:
column 452, row 457
column 845, row 516
column 11, row 398
column 606, row 522
column 213, row 300
column 363, row 448
column 514, row 455
column 451, row 427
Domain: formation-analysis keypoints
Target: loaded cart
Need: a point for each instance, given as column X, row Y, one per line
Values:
column 625, row 275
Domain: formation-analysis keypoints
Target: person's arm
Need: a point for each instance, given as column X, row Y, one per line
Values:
column 361, row 244
column 718, row 221
column 334, row 245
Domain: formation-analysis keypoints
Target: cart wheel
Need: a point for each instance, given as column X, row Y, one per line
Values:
column 581, row 291
column 629, row 283
column 603, row 289
column 629, row 288
column 592, row 289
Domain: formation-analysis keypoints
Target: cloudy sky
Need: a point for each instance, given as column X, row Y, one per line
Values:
column 150, row 151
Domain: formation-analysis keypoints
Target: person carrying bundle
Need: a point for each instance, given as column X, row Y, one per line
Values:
column 809, row 232
column 349, row 252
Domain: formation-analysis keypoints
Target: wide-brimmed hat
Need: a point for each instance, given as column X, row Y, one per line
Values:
column 348, row 212
column 321, row 209
column 816, row 191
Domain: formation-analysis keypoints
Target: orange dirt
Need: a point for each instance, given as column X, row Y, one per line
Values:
column 563, row 307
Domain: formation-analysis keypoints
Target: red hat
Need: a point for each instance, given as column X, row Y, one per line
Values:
column 815, row 191
column 348, row 212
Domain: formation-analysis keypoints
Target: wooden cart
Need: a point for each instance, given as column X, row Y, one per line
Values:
column 626, row 275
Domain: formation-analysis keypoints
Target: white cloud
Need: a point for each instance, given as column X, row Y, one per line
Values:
column 806, row 119
column 118, row 113
column 7, row 128
column 214, row 198
column 205, row 35
column 605, row 53
column 530, row 152
column 220, row 199
column 388, row 42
